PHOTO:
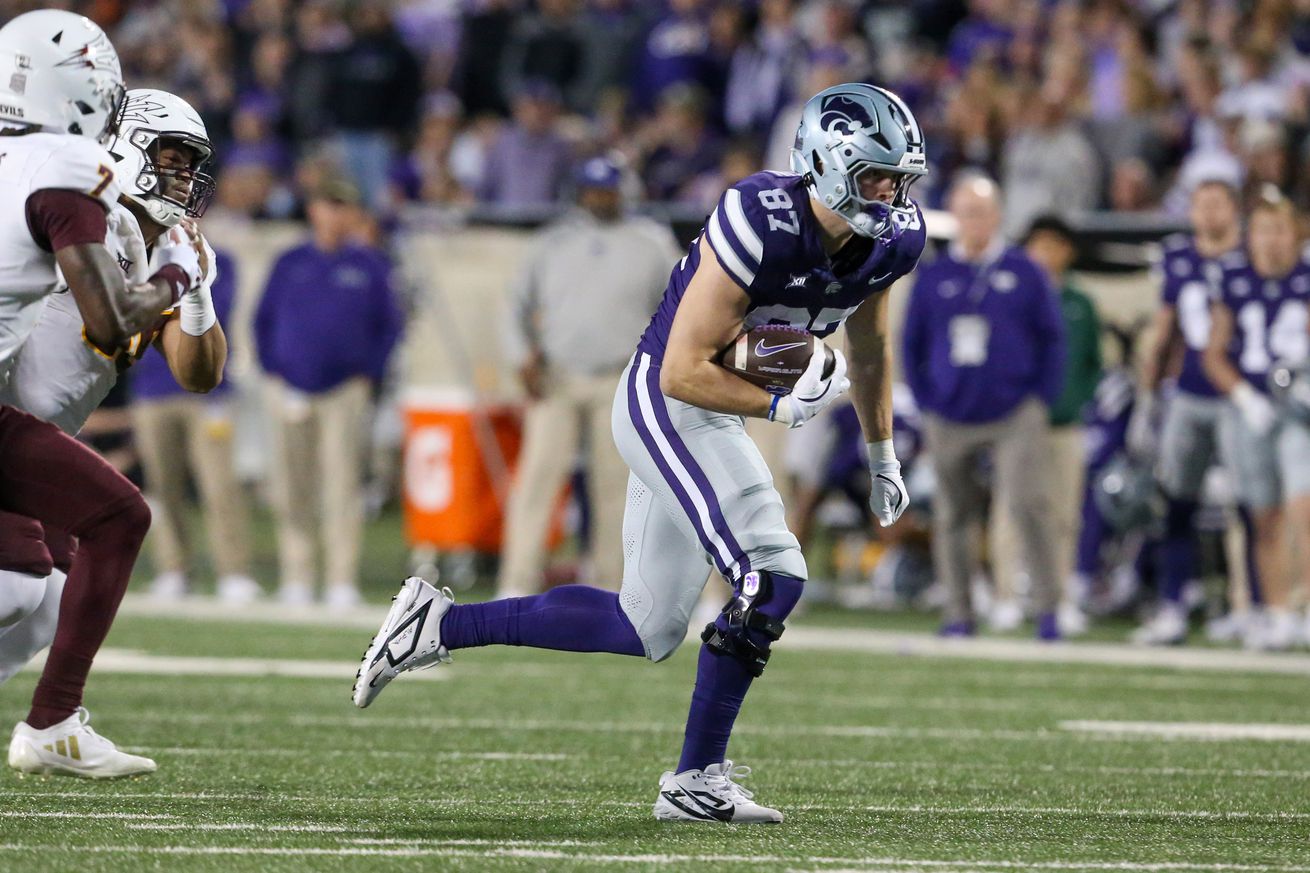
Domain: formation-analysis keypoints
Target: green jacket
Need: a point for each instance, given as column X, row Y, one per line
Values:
column 1084, row 365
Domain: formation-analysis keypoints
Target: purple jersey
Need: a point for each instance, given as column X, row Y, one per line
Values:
column 1270, row 320
column 1186, row 280
column 766, row 237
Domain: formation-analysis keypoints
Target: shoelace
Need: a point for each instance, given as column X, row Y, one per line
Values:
column 725, row 780
column 84, row 721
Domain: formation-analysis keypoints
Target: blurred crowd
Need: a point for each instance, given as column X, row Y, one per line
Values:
column 1078, row 103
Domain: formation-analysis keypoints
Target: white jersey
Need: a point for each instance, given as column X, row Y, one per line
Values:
column 30, row 163
column 57, row 375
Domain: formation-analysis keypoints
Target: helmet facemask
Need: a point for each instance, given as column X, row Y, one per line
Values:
column 869, row 216
column 173, row 190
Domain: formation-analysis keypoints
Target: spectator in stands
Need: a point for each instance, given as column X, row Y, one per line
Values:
column 486, row 33
column 681, row 144
column 984, row 353
column 1050, row 243
column 586, row 292
column 374, row 95
column 984, row 34
column 764, row 71
column 176, row 433
column 319, row 37
column 676, row 51
column 1047, row 162
column 546, row 46
column 528, row 164
column 612, row 32
column 324, row 330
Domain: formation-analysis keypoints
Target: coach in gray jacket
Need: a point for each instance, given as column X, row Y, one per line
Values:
column 587, row 291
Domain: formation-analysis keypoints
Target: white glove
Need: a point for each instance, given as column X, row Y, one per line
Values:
column 176, row 248
column 196, row 307
column 1256, row 409
column 812, row 392
column 888, row 499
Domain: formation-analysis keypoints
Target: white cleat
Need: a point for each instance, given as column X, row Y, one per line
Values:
column 169, row 585
column 1072, row 620
column 1228, row 628
column 409, row 639
column 1168, row 627
column 238, row 590
column 711, row 795
column 72, row 748
column 1005, row 616
column 1276, row 631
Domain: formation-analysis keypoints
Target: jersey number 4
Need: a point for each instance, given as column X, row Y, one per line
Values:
column 777, row 200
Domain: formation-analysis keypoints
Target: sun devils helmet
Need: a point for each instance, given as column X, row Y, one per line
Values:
column 59, row 73
column 852, row 129
column 153, row 119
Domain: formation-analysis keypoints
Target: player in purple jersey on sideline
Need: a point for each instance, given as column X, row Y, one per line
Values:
column 804, row 249
column 1260, row 316
column 1190, row 437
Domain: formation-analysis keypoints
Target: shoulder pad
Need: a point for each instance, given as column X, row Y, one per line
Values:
column 79, row 164
column 754, row 213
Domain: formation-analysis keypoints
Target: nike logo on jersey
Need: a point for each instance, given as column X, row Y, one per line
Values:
column 763, row 351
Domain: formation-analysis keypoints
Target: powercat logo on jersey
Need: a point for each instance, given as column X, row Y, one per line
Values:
column 845, row 115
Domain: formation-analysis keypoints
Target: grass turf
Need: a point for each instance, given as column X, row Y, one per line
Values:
column 522, row 760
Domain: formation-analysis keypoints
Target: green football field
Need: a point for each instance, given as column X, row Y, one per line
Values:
column 884, row 755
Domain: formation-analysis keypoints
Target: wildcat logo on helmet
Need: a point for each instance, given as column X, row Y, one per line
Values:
column 841, row 114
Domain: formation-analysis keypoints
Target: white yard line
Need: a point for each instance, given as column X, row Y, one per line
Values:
column 111, row 660
column 528, row 853
column 10, row 813
column 1189, row 730
column 907, row 809
column 245, row 826
column 352, row 753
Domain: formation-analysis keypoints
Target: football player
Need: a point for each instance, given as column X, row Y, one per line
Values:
column 1190, row 434
column 58, row 375
column 1260, row 316
column 811, row 249
column 61, row 93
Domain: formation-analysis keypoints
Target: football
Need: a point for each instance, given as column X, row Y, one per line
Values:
column 773, row 356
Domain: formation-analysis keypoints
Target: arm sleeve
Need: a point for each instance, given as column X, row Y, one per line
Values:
column 59, row 217
column 1053, row 357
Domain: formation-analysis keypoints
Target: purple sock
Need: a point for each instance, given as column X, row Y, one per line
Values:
column 1178, row 549
column 722, row 682
column 571, row 618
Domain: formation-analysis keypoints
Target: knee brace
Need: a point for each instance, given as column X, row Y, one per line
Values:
column 742, row 630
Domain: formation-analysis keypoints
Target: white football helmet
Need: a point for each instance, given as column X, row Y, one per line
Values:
column 59, row 73
column 153, row 120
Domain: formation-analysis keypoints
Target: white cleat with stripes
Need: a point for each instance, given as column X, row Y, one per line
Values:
column 711, row 795
column 72, row 748
column 409, row 639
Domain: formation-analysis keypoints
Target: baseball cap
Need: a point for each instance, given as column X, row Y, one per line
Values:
column 599, row 173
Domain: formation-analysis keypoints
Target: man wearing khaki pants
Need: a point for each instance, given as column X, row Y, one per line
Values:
column 1050, row 243
column 585, row 294
column 324, row 329
column 984, row 353
column 173, row 430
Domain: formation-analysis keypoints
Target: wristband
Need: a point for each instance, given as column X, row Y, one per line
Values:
column 773, row 406
column 176, row 277
column 196, row 313
column 882, row 450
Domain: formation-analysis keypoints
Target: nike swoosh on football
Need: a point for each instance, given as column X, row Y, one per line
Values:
column 764, row 351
